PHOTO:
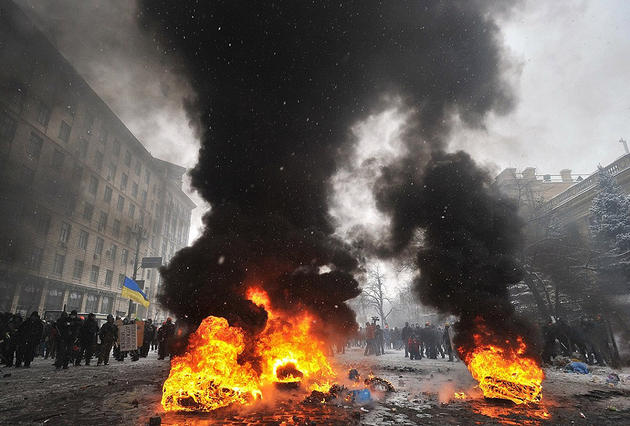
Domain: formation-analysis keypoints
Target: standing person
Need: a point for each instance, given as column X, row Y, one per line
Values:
column 108, row 334
column 11, row 338
column 87, row 339
column 164, row 336
column 369, row 338
column 405, row 334
column 148, row 337
column 379, row 339
column 154, row 338
column 64, row 341
column 446, row 341
column 75, row 328
column 28, row 337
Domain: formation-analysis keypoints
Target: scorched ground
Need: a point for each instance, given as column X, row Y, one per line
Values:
column 131, row 394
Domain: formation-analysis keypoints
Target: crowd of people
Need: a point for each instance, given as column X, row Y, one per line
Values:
column 74, row 339
column 418, row 342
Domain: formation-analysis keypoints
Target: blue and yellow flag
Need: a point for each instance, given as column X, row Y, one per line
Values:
column 132, row 290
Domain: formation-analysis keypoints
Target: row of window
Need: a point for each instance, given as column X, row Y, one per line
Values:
column 79, row 266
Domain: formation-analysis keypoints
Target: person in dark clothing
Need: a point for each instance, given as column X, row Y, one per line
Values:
column 148, row 336
column 379, row 340
column 414, row 347
column 64, row 341
column 10, row 338
column 405, row 334
column 87, row 339
column 108, row 335
column 28, row 337
column 164, row 336
column 446, row 341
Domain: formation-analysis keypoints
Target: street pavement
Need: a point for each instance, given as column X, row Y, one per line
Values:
column 129, row 393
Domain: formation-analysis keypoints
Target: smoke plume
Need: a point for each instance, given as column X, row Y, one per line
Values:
column 279, row 85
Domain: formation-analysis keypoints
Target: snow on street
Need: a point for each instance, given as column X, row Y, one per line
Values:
column 129, row 393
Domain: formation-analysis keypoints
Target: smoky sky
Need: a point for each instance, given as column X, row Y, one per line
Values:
column 278, row 86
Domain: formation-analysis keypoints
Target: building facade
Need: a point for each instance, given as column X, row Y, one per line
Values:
column 563, row 199
column 79, row 194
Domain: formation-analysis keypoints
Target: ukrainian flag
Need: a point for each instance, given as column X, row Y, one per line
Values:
column 131, row 290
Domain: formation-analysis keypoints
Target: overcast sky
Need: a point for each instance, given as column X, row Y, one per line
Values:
column 571, row 65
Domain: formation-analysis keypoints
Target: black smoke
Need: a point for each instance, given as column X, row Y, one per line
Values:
column 278, row 85
column 472, row 235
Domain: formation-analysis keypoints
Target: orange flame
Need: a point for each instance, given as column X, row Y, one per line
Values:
column 504, row 372
column 209, row 376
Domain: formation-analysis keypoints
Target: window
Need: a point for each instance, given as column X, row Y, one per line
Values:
column 35, row 259
column 64, row 131
column 57, row 161
column 98, row 160
column 91, row 303
column 134, row 190
column 121, row 280
column 113, row 251
column 124, row 254
column 93, row 185
column 88, row 211
column 109, row 275
column 132, row 210
column 127, row 158
column 34, row 147
column 123, row 182
column 77, row 272
column 128, row 236
column 147, row 177
column 107, row 197
column 121, row 203
column 98, row 249
column 58, row 263
column 111, row 172
column 64, row 234
column 116, row 147
column 83, row 239
column 43, row 114
column 102, row 222
column 7, row 128
column 84, row 144
column 43, row 223
column 138, row 167
column 116, row 228
column 144, row 198
column 94, row 273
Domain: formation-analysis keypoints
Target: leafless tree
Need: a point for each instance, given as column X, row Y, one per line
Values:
column 375, row 294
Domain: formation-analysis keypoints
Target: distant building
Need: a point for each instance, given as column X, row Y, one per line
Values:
column 564, row 198
column 77, row 189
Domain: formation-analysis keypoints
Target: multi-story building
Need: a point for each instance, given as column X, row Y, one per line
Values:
column 563, row 199
column 77, row 190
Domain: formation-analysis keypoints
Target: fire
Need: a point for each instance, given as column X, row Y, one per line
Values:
column 504, row 372
column 208, row 376
column 460, row 395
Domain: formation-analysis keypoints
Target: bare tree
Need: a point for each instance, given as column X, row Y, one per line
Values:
column 375, row 294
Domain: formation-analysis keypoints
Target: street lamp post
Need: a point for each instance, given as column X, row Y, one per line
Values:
column 140, row 233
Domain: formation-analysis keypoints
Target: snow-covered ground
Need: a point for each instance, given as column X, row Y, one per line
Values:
column 129, row 393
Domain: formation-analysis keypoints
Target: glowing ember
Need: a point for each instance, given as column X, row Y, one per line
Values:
column 504, row 372
column 460, row 395
column 209, row 376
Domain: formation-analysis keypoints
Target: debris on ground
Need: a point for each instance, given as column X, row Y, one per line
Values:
column 576, row 367
column 612, row 379
column 377, row 383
